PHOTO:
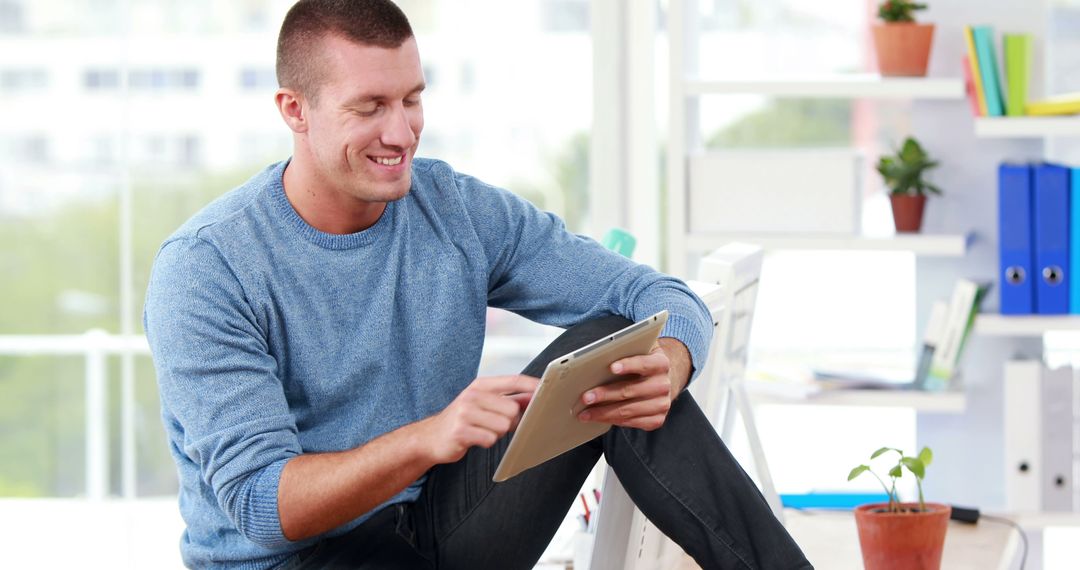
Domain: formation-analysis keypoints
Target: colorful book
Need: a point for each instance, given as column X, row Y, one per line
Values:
column 935, row 331
column 964, row 305
column 1017, row 50
column 1067, row 104
column 973, row 68
column 988, row 69
column 969, row 86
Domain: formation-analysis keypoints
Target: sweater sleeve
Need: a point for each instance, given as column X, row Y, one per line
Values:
column 538, row 269
column 219, row 381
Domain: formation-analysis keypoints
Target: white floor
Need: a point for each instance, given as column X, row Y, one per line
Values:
column 75, row 533
column 115, row 534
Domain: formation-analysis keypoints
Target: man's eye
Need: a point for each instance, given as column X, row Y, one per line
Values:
column 369, row 111
column 411, row 102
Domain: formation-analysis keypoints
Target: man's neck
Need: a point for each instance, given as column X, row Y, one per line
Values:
column 323, row 207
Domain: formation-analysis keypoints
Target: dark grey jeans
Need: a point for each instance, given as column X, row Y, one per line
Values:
column 681, row 476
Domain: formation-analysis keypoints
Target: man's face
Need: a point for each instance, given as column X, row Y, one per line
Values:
column 365, row 126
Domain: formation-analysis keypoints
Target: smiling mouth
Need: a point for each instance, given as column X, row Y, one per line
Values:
column 387, row 161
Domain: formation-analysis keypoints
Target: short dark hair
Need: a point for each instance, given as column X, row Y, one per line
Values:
column 377, row 23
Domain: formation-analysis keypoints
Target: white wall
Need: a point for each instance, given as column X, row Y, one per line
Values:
column 968, row 461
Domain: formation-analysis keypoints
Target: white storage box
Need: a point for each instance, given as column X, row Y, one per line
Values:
column 776, row 191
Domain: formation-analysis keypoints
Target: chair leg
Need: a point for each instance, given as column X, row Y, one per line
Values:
column 768, row 488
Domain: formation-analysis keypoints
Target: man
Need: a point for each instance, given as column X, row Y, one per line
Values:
column 317, row 331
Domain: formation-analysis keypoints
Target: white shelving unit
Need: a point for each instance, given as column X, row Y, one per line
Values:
column 1024, row 325
column 919, row 244
column 835, row 86
column 684, row 138
column 1023, row 328
column 1027, row 127
column 942, row 127
column 687, row 91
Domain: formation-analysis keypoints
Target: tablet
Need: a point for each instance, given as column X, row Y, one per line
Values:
column 549, row 426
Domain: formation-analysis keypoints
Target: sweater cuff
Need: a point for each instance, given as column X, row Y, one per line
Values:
column 261, row 520
column 689, row 333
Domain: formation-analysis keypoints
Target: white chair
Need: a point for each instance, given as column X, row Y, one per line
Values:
column 727, row 283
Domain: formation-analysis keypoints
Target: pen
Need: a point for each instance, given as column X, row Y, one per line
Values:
column 586, row 505
column 596, row 494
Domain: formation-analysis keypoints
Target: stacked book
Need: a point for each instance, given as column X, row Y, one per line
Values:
column 1003, row 91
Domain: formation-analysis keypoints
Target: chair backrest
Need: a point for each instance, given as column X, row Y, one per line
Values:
column 736, row 270
column 727, row 283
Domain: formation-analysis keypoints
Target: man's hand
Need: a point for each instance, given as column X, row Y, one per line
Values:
column 321, row 491
column 644, row 398
column 486, row 410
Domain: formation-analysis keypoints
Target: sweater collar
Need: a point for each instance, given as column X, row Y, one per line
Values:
column 320, row 238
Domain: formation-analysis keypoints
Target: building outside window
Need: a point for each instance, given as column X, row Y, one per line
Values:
column 16, row 80
column 258, row 79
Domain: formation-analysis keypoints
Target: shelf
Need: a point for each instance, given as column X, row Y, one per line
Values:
column 839, row 86
column 1029, row 127
column 1024, row 325
column 934, row 402
column 919, row 244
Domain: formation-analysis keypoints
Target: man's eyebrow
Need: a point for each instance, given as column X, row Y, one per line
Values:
column 361, row 99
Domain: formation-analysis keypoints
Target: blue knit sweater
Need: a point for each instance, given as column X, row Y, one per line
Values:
column 273, row 339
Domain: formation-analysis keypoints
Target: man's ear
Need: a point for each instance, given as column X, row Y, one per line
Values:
column 292, row 107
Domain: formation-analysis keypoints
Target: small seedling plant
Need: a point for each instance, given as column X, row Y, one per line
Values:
column 915, row 465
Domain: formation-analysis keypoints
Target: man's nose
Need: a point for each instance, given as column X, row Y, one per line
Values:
column 398, row 131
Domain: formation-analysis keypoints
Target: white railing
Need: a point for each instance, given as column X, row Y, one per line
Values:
column 97, row 345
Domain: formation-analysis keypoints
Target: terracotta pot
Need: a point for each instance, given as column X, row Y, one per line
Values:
column 903, row 48
column 907, row 212
column 902, row 541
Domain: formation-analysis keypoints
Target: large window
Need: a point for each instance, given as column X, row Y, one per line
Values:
column 122, row 119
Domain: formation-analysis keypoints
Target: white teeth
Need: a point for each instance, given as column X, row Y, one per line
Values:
column 388, row 161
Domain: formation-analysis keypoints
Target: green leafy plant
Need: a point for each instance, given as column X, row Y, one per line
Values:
column 915, row 465
column 899, row 10
column 903, row 172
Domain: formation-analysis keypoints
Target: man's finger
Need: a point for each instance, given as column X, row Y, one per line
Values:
column 623, row 413
column 516, row 422
column 513, row 384
column 647, row 423
column 499, row 404
column 522, row 399
column 496, row 423
column 480, row 437
column 622, row 390
column 656, row 362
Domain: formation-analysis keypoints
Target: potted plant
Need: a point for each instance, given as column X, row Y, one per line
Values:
column 903, row 175
column 903, row 46
column 896, row 534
